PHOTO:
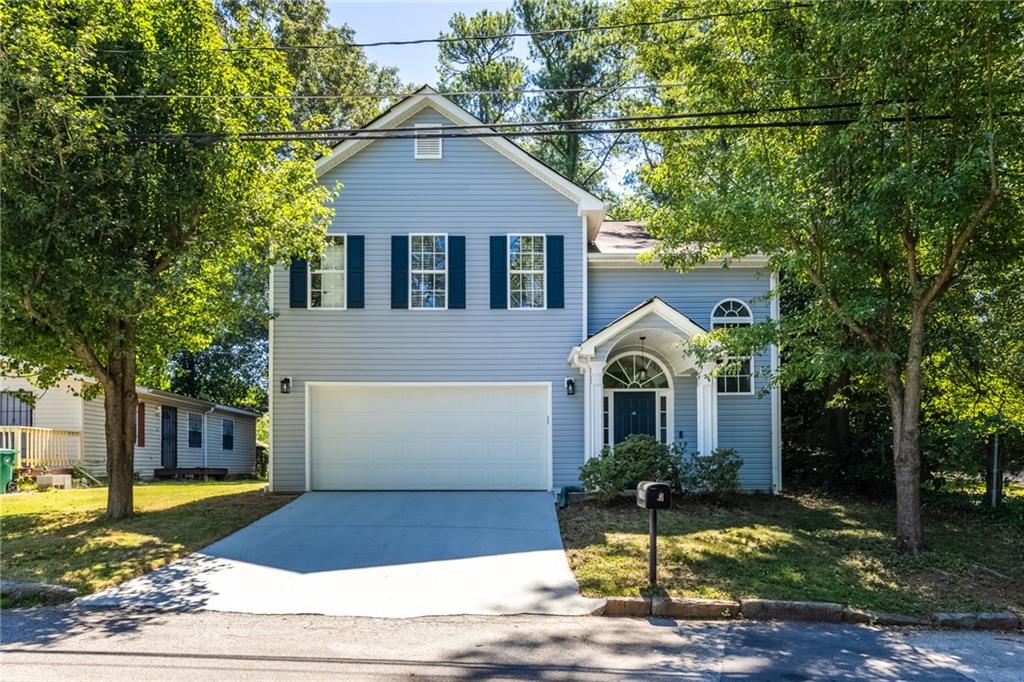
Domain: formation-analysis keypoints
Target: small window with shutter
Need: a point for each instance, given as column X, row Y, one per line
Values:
column 427, row 144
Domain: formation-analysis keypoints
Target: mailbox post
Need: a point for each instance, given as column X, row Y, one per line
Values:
column 653, row 495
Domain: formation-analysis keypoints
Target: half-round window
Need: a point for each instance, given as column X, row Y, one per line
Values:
column 634, row 371
column 731, row 313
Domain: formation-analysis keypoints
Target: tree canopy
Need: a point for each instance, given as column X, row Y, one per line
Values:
column 127, row 249
column 879, row 166
column 470, row 64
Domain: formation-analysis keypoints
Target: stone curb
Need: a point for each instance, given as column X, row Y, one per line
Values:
column 802, row 611
column 779, row 609
column 20, row 589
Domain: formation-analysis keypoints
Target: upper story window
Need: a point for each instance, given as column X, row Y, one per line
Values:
column 195, row 430
column 526, row 271
column 227, row 432
column 428, row 271
column 327, row 275
column 737, row 377
column 427, row 144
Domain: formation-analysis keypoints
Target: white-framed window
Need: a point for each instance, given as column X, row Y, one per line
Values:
column 427, row 147
column 736, row 376
column 326, row 288
column 527, row 267
column 195, row 430
column 428, row 271
column 227, row 434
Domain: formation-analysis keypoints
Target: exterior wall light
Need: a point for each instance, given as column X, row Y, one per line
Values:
column 286, row 385
column 570, row 386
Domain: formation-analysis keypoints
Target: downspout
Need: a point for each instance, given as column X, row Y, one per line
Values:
column 206, row 439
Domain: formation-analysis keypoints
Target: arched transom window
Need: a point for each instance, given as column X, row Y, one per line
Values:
column 737, row 373
column 731, row 313
column 635, row 371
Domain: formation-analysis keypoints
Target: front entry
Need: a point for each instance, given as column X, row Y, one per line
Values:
column 168, row 437
column 635, row 413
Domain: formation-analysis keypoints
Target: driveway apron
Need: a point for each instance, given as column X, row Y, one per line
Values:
column 384, row 554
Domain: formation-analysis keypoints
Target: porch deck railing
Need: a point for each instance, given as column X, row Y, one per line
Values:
column 39, row 447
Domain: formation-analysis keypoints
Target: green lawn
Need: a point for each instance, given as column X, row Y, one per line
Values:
column 807, row 547
column 61, row 536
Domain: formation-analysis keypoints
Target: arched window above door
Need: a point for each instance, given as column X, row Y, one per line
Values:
column 635, row 371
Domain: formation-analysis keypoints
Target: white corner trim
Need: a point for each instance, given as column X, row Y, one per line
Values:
column 776, row 394
column 271, row 389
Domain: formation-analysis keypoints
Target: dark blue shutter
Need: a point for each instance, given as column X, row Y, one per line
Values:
column 297, row 283
column 355, row 275
column 456, row 272
column 399, row 271
column 499, row 272
column 556, row 271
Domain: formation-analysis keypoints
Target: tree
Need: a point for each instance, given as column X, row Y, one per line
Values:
column 126, row 247
column 482, row 65
column 581, row 70
column 232, row 370
column 335, row 85
column 882, row 205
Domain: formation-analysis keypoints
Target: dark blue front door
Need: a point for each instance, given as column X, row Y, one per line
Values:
column 635, row 413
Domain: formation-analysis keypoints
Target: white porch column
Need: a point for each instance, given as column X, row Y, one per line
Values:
column 586, row 414
column 707, row 413
column 595, row 386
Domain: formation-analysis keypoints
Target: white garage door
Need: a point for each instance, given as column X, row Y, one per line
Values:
column 429, row 437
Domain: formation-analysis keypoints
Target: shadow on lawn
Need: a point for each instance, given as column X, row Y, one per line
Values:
column 813, row 548
column 36, row 546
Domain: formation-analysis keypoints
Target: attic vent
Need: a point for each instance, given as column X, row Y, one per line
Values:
column 427, row 147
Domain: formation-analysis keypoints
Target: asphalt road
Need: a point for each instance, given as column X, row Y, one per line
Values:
column 63, row 643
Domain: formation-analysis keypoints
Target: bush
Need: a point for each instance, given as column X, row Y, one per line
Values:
column 261, row 462
column 637, row 458
column 717, row 473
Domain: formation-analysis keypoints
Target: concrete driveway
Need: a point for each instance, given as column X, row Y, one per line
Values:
column 386, row 554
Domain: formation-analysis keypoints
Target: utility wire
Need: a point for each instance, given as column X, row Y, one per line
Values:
column 328, row 136
column 423, row 130
column 460, row 39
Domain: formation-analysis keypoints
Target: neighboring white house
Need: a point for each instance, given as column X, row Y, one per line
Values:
column 174, row 431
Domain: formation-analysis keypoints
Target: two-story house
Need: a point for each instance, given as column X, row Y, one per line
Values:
column 475, row 323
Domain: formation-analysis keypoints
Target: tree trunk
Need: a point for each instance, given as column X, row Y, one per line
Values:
column 121, row 404
column 904, row 394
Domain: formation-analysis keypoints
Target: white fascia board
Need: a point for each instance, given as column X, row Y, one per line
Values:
column 658, row 307
column 629, row 260
column 590, row 206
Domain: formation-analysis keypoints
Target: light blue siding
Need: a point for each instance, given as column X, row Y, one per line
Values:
column 473, row 191
column 744, row 421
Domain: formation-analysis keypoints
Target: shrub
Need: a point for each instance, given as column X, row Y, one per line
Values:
column 261, row 462
column 717, row 473
column 637, row 458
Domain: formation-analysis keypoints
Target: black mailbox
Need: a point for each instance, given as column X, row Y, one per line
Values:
column 653, row 495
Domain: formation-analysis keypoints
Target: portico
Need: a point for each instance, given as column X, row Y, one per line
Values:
column 639, row 377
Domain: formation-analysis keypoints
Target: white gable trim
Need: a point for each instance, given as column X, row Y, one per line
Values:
column 590, row 206
column 588, row 348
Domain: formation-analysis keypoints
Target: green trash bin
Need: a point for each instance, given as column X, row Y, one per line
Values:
column 7, row 460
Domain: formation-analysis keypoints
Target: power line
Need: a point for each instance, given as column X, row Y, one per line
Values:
column 454, row 93
column 423, row 41
column 424, row 130
column 329, row 136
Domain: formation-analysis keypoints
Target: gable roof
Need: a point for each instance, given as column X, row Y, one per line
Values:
column 652, row 305
column 589, row 206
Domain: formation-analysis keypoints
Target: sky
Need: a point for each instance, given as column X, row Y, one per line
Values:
column 376, row 20
column 405, row 20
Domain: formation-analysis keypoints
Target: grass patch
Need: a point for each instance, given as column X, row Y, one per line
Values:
column 62, row 537
column 807, row 547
